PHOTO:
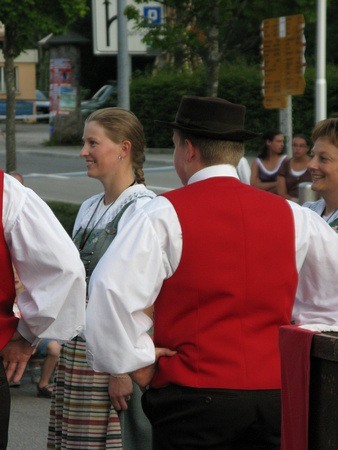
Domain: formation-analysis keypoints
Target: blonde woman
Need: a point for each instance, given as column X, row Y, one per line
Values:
column 91, row 409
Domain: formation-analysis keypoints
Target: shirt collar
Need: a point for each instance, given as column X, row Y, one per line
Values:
column 220, row 170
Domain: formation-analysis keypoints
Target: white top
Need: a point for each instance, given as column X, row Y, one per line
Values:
column 273, row 171
column 138, row 194
column 48, row 264
column 129, row 277
column 319, row 208
column 244, row 170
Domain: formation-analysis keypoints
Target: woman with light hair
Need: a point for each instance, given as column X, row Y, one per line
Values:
column 92, row 409
column 324, row 171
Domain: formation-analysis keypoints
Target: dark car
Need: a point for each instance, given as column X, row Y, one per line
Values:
column 42, row 103
column 105, row 97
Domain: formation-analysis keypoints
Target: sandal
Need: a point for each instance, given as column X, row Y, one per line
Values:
column 45, row 392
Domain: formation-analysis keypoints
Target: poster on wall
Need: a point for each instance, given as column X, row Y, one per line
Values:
column 61, row 79
column 67, row 99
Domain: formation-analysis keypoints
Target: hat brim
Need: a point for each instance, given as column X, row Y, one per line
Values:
column 230, row 135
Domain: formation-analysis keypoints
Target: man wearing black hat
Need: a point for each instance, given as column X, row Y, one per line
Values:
column 223, row 264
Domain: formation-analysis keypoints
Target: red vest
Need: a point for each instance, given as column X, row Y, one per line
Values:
column 8, row 322
column 234, row 287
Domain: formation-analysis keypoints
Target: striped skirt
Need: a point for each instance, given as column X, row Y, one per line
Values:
column 82, row 416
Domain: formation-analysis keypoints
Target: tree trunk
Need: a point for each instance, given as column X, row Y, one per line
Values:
column 8, row 50
column 213, row 65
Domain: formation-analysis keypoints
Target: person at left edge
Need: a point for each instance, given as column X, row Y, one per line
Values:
column 47, row 262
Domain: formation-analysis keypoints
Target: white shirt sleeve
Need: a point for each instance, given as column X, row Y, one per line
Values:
column 48, row 264
column 317, row 250
column 127, row 280
column 244, row 170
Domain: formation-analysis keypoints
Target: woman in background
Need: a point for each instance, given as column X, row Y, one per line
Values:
column 265, row 167
column 324, row 171
column 89, row 409
column 294, row 170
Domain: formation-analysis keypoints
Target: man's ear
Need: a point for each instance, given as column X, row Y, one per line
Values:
column 191, row 151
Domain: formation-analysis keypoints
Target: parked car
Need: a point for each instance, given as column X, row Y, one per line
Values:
column 105, row 97
column 42, row 103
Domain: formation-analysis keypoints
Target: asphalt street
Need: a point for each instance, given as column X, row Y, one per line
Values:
column 28, row 424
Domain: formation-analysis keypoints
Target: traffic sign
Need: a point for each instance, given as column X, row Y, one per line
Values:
column 105, row 26
column 153, row 13
column 283, row 59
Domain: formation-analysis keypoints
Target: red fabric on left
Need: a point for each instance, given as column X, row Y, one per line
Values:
column 8, row 322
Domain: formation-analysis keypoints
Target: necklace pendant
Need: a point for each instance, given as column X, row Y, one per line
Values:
column 111, row 230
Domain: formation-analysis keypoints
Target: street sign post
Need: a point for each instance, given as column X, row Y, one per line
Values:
column 105, row 29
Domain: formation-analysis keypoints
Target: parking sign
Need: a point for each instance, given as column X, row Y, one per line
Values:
column 105, row 26
column 153, row 13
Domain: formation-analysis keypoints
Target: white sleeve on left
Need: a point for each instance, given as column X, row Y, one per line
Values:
column 48, row 264
column 125, row 282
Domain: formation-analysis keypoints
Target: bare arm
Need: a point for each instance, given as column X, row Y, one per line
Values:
column 281, row 188
column 255, row 181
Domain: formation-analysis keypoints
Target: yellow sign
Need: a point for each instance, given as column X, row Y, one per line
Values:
column 283, row 59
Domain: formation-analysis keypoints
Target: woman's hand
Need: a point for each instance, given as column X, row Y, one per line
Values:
column 120, row 389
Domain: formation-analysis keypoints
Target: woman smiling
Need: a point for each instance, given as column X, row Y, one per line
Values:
column 324, row 171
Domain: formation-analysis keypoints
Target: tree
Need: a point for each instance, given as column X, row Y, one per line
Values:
column 200, row 33
column 26, row 21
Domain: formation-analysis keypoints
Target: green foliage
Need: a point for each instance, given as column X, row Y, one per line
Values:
column 184, row 35
column 66, row 214
column 242, row 84
column 26, row 21
column 157, row 98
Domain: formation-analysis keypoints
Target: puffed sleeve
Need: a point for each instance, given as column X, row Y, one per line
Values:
column 48, row 264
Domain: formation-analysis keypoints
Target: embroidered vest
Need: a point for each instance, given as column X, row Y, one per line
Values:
column 8, row 322
column 234, row 287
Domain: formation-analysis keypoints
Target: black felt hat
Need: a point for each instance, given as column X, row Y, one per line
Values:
column 211, row 117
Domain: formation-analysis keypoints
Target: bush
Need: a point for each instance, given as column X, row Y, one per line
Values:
column 157, row 98
column 66, row 214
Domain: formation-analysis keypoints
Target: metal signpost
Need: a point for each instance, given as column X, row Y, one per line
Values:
column 321, row 87
column 114, row 35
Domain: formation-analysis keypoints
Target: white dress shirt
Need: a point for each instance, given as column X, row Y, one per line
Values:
column 48, row 264
column 147, row 251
